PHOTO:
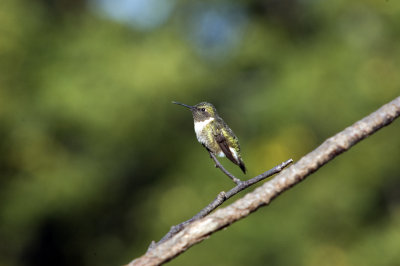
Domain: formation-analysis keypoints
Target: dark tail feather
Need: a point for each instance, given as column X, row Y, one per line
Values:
column 242, row 166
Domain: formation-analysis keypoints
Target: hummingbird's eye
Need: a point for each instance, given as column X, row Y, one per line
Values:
column 203, row 109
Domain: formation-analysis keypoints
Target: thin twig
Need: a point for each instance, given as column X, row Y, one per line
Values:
column 219, row 165
column 332, row 147
column 221, row 198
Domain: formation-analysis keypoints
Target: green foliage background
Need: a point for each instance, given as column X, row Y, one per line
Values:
column 96, row 162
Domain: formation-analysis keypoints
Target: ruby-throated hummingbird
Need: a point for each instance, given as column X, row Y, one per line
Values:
column 214, row 133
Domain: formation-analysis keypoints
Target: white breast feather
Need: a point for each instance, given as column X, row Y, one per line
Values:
column 198, row 128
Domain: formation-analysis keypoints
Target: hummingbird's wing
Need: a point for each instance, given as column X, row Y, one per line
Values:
column 230, row 152
column 223, row 144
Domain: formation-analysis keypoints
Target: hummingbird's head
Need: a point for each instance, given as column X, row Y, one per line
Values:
column 201, row 111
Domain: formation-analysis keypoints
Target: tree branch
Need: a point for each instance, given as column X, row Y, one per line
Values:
column 221, row 198
column 219, row 165
column 332, row 147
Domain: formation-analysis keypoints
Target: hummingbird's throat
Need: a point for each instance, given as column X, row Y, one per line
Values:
column 199, row 126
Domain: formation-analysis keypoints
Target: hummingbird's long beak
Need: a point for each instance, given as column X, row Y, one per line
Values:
column 188, row 106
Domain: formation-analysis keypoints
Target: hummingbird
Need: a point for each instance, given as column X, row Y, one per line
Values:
column 214, row 134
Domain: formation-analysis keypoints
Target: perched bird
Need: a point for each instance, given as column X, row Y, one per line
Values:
column 214, row 133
